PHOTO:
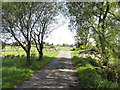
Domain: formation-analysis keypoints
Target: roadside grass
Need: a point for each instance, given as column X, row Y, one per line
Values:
column 15, row 71
column 88, row 75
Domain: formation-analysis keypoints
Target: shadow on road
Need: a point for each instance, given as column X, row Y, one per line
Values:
column 59, row 73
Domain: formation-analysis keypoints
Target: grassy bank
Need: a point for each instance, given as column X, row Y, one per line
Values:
column 87, row 73
column 14, row 70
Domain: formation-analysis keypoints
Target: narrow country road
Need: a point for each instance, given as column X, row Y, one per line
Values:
column 59, row 73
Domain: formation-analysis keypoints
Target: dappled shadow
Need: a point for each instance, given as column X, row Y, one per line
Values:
column 57, row 74
column 91, row 74
column 15, row 70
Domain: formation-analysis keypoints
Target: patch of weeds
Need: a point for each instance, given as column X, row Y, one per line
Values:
column 89, row 73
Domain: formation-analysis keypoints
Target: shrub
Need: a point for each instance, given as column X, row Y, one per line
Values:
column 94, row 62
column 91, row 75
column 82, row 47
column 73, row 49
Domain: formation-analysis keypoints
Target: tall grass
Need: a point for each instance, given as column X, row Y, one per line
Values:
column 14, row 69
column 87, row 73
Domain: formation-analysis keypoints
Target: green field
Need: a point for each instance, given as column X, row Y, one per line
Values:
column 14, row 69
column 88, row 75
column 64, row 48
column 17, row 50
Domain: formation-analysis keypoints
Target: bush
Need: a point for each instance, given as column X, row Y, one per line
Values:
column 91, row 75
column 94, row 62
column 82, row 47
column 73, row 49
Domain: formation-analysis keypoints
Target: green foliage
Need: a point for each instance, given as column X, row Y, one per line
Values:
column 91, row 79
column 98, row 24
column 89, row 73
column 27, row 22
column 72, row 49
column 14, row 70
column 105, row 32
column 82, row 46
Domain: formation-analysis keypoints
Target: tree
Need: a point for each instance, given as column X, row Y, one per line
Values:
column 18, row 20
column 91, row 21
column 3, row 45
column 99, row 21
column 44, row 26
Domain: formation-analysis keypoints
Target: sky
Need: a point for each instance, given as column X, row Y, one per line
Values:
column 61, row 35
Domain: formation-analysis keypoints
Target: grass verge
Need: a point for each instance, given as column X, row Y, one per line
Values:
column 14, row 70
column 88, row 75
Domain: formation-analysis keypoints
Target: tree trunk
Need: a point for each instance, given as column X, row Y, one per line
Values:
column 28, row 57
column 41, row 52
column 28, row 53
column 40, row 56
column 102, row 44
